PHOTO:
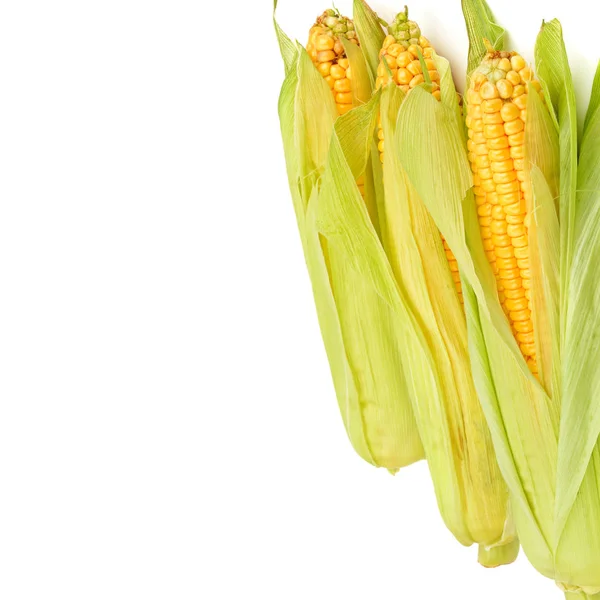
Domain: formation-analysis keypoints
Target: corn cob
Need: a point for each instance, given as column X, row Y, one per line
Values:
column 399, row 62
column 327, row 53
column 496, row 114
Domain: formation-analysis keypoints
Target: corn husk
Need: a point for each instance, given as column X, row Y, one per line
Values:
column 471, row 494
column 358, row 326
column 370, row 34
column 545, row 432
column 578, row 490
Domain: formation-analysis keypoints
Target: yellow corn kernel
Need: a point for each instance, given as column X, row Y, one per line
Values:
column 325, row 42
column 326, row 56
column 478, row 137
column 488, row 91
column 501, row 240
column 485, row 210
column 403, row 77
column 506, row 263
column 343, row 98
column 517, row 62
column 521, row 101
column 390, row 61
column 415, row 67
column 502, row 166
column 389, row 39
column 509, row 273
column 518, row 208
column 418, row 79
column 404, row 59
column 517, row 152
column 510, row 112
column 342, row 85
column 394, row 49
column 498, row 227
column 338, row 72
column 516, row 139
column 501, row 154
column 498, row 143
column 522, row 326
column 527, row 338
column 482, row 162
column 414, row 50
column 508, row 198
column 498, row 213
column 518, row 90
column 512, row 284
column 513, row 127
column 513, row 77
column 490, row 118
column 526, row 74
column 521, row 253
column 506, row 177
column 505, row 252
column 493, row 131
column 520, row 242
column 505, row 88
column 491, row 106
column 324, row 68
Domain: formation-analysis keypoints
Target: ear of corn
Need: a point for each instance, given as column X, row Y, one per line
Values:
column 333, row 46
column 438, row 167
column 358, row 328
column 545, row 432
column 327, row 51
column 471, row 494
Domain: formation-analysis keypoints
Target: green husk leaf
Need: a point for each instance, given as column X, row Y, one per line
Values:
column 362, row 81
column 581, row 596
column 353, row 318
column 370, row 34
column 577, row 511
column 402, row 248
column 362, row 88
column 480, row 26
column 576, row 442
column 363, row 284
column 295, row 112
column 555, row 76
column 287, row 47
column 592, row 111
column 542, row 156
column 315, row 113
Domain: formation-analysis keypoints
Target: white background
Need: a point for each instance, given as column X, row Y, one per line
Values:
column 168, row 427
